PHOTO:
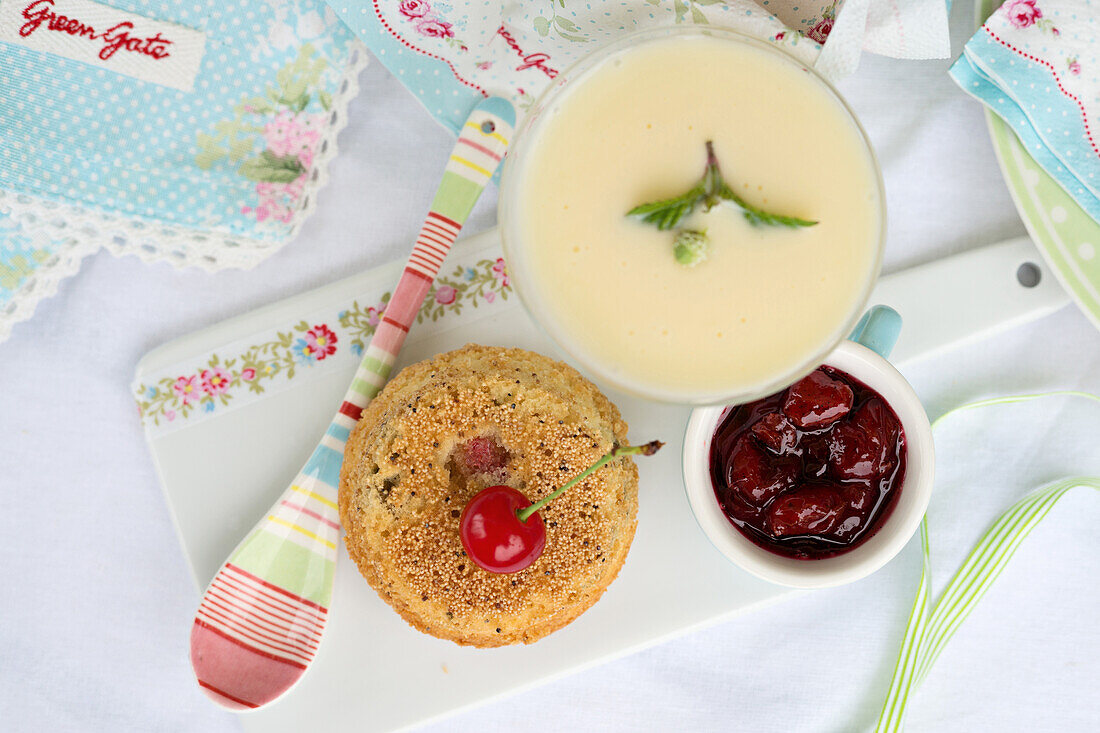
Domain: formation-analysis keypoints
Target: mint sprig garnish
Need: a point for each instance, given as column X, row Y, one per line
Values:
column 757, row 216
column 711, row 190
column 667, row 214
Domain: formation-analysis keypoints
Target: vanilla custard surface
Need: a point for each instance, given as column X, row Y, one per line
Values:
column 768, row 299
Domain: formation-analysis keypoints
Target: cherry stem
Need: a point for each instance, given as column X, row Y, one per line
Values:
column 647, row 449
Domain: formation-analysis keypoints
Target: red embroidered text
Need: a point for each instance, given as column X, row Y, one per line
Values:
column 530, row 60
column 41, row 15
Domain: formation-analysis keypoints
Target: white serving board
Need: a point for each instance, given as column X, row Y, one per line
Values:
column 375, row 673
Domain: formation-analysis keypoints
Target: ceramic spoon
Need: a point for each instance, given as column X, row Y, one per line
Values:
column 262, row 618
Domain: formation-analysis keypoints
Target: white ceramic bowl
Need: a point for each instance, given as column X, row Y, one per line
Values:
column 916, row 489
column 525, row 276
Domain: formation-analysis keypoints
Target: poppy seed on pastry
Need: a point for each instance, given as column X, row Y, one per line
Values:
column 405, row 480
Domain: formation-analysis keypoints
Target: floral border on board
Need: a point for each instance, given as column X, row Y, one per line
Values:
column 305, row 345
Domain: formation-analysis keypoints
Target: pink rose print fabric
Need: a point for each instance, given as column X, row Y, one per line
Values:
column 414, row 8
column 1035, row 63
column 217, row 172
column 1022, row 13
column 430, row 22
column 435, row 28
column 452, row 53
column 288, row 137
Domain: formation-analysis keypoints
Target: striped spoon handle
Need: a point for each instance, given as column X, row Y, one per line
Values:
column 262, row 618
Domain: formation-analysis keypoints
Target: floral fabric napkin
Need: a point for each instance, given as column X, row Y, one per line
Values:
column 450, row 53
column 1036, row 63
column 197, row 133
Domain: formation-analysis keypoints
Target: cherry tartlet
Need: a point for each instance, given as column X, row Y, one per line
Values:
column 437, row 471
column 812, row 471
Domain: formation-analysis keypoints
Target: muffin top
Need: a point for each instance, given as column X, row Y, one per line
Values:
column 448, row 427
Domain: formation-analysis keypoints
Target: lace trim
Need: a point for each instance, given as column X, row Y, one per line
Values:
column 84, row 231
column 43, row 283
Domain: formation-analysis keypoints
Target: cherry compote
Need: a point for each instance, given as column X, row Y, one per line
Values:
column 812, row 471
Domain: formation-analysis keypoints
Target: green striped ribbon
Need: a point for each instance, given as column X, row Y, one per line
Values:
column 931, row 627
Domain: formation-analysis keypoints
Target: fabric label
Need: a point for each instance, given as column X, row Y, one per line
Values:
column 151, row 50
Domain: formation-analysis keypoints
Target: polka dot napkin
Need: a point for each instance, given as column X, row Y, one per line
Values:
column 1036, row 63
column 194, row 132
column 450, row 52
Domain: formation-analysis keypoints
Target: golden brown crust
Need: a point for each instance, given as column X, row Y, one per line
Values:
column 401, row 493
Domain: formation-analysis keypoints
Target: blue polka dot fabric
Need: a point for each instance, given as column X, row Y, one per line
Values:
column 219, row 175
column 232, row 156
column 451, row 54
column 430, row 79
column 1037, row 65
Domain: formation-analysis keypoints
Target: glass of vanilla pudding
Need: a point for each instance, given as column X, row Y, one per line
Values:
column 758, row 280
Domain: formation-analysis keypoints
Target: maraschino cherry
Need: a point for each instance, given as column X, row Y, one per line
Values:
column 493, row 535
column 502, row 531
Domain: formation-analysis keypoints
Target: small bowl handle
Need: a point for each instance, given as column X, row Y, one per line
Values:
column 878, row 330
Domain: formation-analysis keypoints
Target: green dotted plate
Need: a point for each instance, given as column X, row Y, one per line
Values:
column 1068, row 237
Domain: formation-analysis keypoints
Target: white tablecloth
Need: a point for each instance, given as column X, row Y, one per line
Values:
column 95, row 598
